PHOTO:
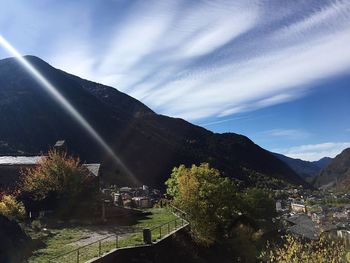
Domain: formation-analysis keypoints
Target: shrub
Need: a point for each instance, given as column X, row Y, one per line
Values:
column 11, row 208
column 296, row 250
column 59, row 183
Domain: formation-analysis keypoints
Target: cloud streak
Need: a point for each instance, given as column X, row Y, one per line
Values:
column 198, row 59
column 293, row 134
column 314, row 152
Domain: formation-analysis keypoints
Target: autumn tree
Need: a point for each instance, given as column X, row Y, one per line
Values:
column 296, row 250
column 11, row 208
column 60, row 183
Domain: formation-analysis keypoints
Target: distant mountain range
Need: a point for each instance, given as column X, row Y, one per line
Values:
column 337, row 173
column 149, row 144
column 305, row 169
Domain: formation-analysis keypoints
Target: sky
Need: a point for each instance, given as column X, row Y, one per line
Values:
column 275, row 71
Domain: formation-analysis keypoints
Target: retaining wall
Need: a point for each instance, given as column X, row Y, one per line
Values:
column 154, row 253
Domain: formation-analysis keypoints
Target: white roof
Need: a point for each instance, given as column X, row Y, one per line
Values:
column 12, row 160
column 93, row 168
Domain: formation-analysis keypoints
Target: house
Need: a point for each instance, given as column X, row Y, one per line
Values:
column 142, row 202
column 11, row 167
column 93, row 168
column 60, row 145
column 342, row 215
column 125, row 189
column 298, row 207
column 318, row 217
column 279, row 206
column 301, row 225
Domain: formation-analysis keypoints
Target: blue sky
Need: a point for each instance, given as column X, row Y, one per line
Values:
column 276, row 71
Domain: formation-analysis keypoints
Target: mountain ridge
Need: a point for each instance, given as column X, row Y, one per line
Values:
column 149, row 143
column 337, row 173
column 307, row 170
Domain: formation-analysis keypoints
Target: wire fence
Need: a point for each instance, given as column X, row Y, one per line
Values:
column 132, row 239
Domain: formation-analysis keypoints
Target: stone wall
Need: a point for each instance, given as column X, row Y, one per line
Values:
column 159, row 252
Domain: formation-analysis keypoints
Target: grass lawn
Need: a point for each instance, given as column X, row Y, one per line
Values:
column 60, row 241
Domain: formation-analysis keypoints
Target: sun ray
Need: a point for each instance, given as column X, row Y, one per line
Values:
column 53, row 91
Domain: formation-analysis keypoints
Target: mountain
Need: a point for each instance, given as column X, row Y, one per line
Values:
column 305, row 169
column 337, row 173
column 322, row 163
column 149, row 144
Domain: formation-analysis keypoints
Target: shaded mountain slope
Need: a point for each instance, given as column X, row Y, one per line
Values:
column 322, row 163
column 149, row 144
column 337, row 173
column 305, row 169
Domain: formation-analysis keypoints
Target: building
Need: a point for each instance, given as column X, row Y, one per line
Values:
column 11, row 167
column 298, row 207
column 142, row 202
column 303, row 226
column 60, row 145
column 318, row 217
column 342, row 215
column 278, row 206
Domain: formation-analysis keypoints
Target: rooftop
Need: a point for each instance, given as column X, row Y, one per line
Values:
column 93, row 168
column 19, row 160
column 60, row 143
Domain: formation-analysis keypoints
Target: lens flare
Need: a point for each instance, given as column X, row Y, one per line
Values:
column 63, row 102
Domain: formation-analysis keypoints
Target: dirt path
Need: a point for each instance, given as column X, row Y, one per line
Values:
column 94, row 234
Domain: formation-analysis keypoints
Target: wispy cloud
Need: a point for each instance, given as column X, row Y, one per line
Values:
column 286, row 133
column 211, row 123
column 197, row 59
column 314, row 152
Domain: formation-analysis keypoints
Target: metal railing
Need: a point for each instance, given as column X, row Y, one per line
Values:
column 128, row 239
column 93, row 250
column 163, row 230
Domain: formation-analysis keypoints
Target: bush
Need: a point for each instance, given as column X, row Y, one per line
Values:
column 11, row 208
column 296, row 250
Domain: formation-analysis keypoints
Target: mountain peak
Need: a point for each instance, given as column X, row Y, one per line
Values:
column 150, row 145
column 336, row 173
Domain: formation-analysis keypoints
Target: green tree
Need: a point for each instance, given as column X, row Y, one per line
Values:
column 209, row 200
column 258, row 204
column 60, row 182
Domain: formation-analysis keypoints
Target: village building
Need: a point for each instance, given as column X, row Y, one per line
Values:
column 11, row 167
column 301, row 225
column 342, row 215
column 298, row 207
column 142, row 202
column 318, row 217
column 279, row 206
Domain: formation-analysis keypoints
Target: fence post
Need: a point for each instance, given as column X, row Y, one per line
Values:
column 99, row 248
column 78, row 255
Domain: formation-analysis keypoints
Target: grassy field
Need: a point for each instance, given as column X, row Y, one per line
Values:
column 59, row 241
